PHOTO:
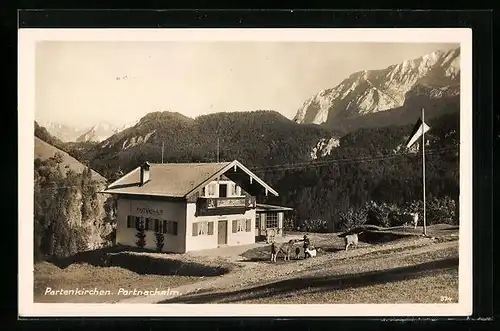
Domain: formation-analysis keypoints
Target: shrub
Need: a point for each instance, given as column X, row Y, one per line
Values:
column 384, row 214
column 314, row 225
column 438, row 211
column 288, row 224
column 141, row 235
column 160, row 241
column 352, row 218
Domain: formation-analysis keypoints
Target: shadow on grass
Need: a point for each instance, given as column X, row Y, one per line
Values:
column 328, row 249
column 124, row 257
column 257, row 259
column 321, row 284
column 382, row 237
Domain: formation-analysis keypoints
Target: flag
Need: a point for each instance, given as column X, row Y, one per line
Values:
column 417, row 132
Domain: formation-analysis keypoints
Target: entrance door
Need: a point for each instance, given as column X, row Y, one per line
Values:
column 223, row 190
column 222, row 233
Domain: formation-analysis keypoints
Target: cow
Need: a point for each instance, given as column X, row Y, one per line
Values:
column 411, row 218
column 286, row 249
column 351, row 239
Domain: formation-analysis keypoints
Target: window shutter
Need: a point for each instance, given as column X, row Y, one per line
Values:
column 174, row 228
column 195, row 229
column 165, row 226
column 130, row 223
column 235, row 226
column 157, row 225
column 210, row 228
column 148, row 225
column 249, row 225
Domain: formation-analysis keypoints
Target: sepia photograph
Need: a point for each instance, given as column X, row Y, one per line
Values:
column 309, row 172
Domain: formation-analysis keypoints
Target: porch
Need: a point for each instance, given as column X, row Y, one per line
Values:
column 269, row 221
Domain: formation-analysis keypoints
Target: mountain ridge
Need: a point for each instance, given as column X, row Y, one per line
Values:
column 250, row 137
column 92, row 133
column 371, row 91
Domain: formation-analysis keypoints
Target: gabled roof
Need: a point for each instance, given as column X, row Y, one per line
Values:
column 176, row 179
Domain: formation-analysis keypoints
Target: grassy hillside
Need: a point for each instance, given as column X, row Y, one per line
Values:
column 44, row 151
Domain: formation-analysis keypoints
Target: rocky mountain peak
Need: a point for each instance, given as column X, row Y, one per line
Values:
column 370, row 91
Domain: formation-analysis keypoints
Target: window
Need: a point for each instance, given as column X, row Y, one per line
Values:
column 171, row 227
column 235, row 190
column 130, row 221
column 211, row 189
column 243, row 225
column 152, row 224
column 203, row 229
column 139, row 222
column 163, row 226
column 223, row 190
column 149, row 224
column 272, row 220
column 160, row 226
column 257, row 221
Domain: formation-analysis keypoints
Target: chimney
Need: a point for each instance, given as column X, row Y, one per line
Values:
column 145, row 172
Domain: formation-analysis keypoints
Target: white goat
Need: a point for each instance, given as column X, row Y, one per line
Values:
column 311, row 252
column 351, row 239
column 411, row 218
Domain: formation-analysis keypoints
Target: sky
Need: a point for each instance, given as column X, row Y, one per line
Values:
column 85, row 83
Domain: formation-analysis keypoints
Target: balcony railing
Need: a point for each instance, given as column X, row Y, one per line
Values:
column 233, row 205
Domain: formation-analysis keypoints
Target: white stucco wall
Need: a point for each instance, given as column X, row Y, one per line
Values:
column 173, row 211
column 199, row 242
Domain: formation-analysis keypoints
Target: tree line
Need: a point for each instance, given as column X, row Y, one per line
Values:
column 377, row 169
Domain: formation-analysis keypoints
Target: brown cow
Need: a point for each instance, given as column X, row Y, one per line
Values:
column 286, row 248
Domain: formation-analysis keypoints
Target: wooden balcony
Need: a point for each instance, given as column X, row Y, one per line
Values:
column 224, row 206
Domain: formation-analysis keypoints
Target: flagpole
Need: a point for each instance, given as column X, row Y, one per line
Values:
column 423, row 168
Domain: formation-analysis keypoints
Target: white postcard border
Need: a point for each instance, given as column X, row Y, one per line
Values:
column 26, row 107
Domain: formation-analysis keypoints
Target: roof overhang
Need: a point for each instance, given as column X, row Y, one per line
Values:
column 264, row 208
column 110, row 191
